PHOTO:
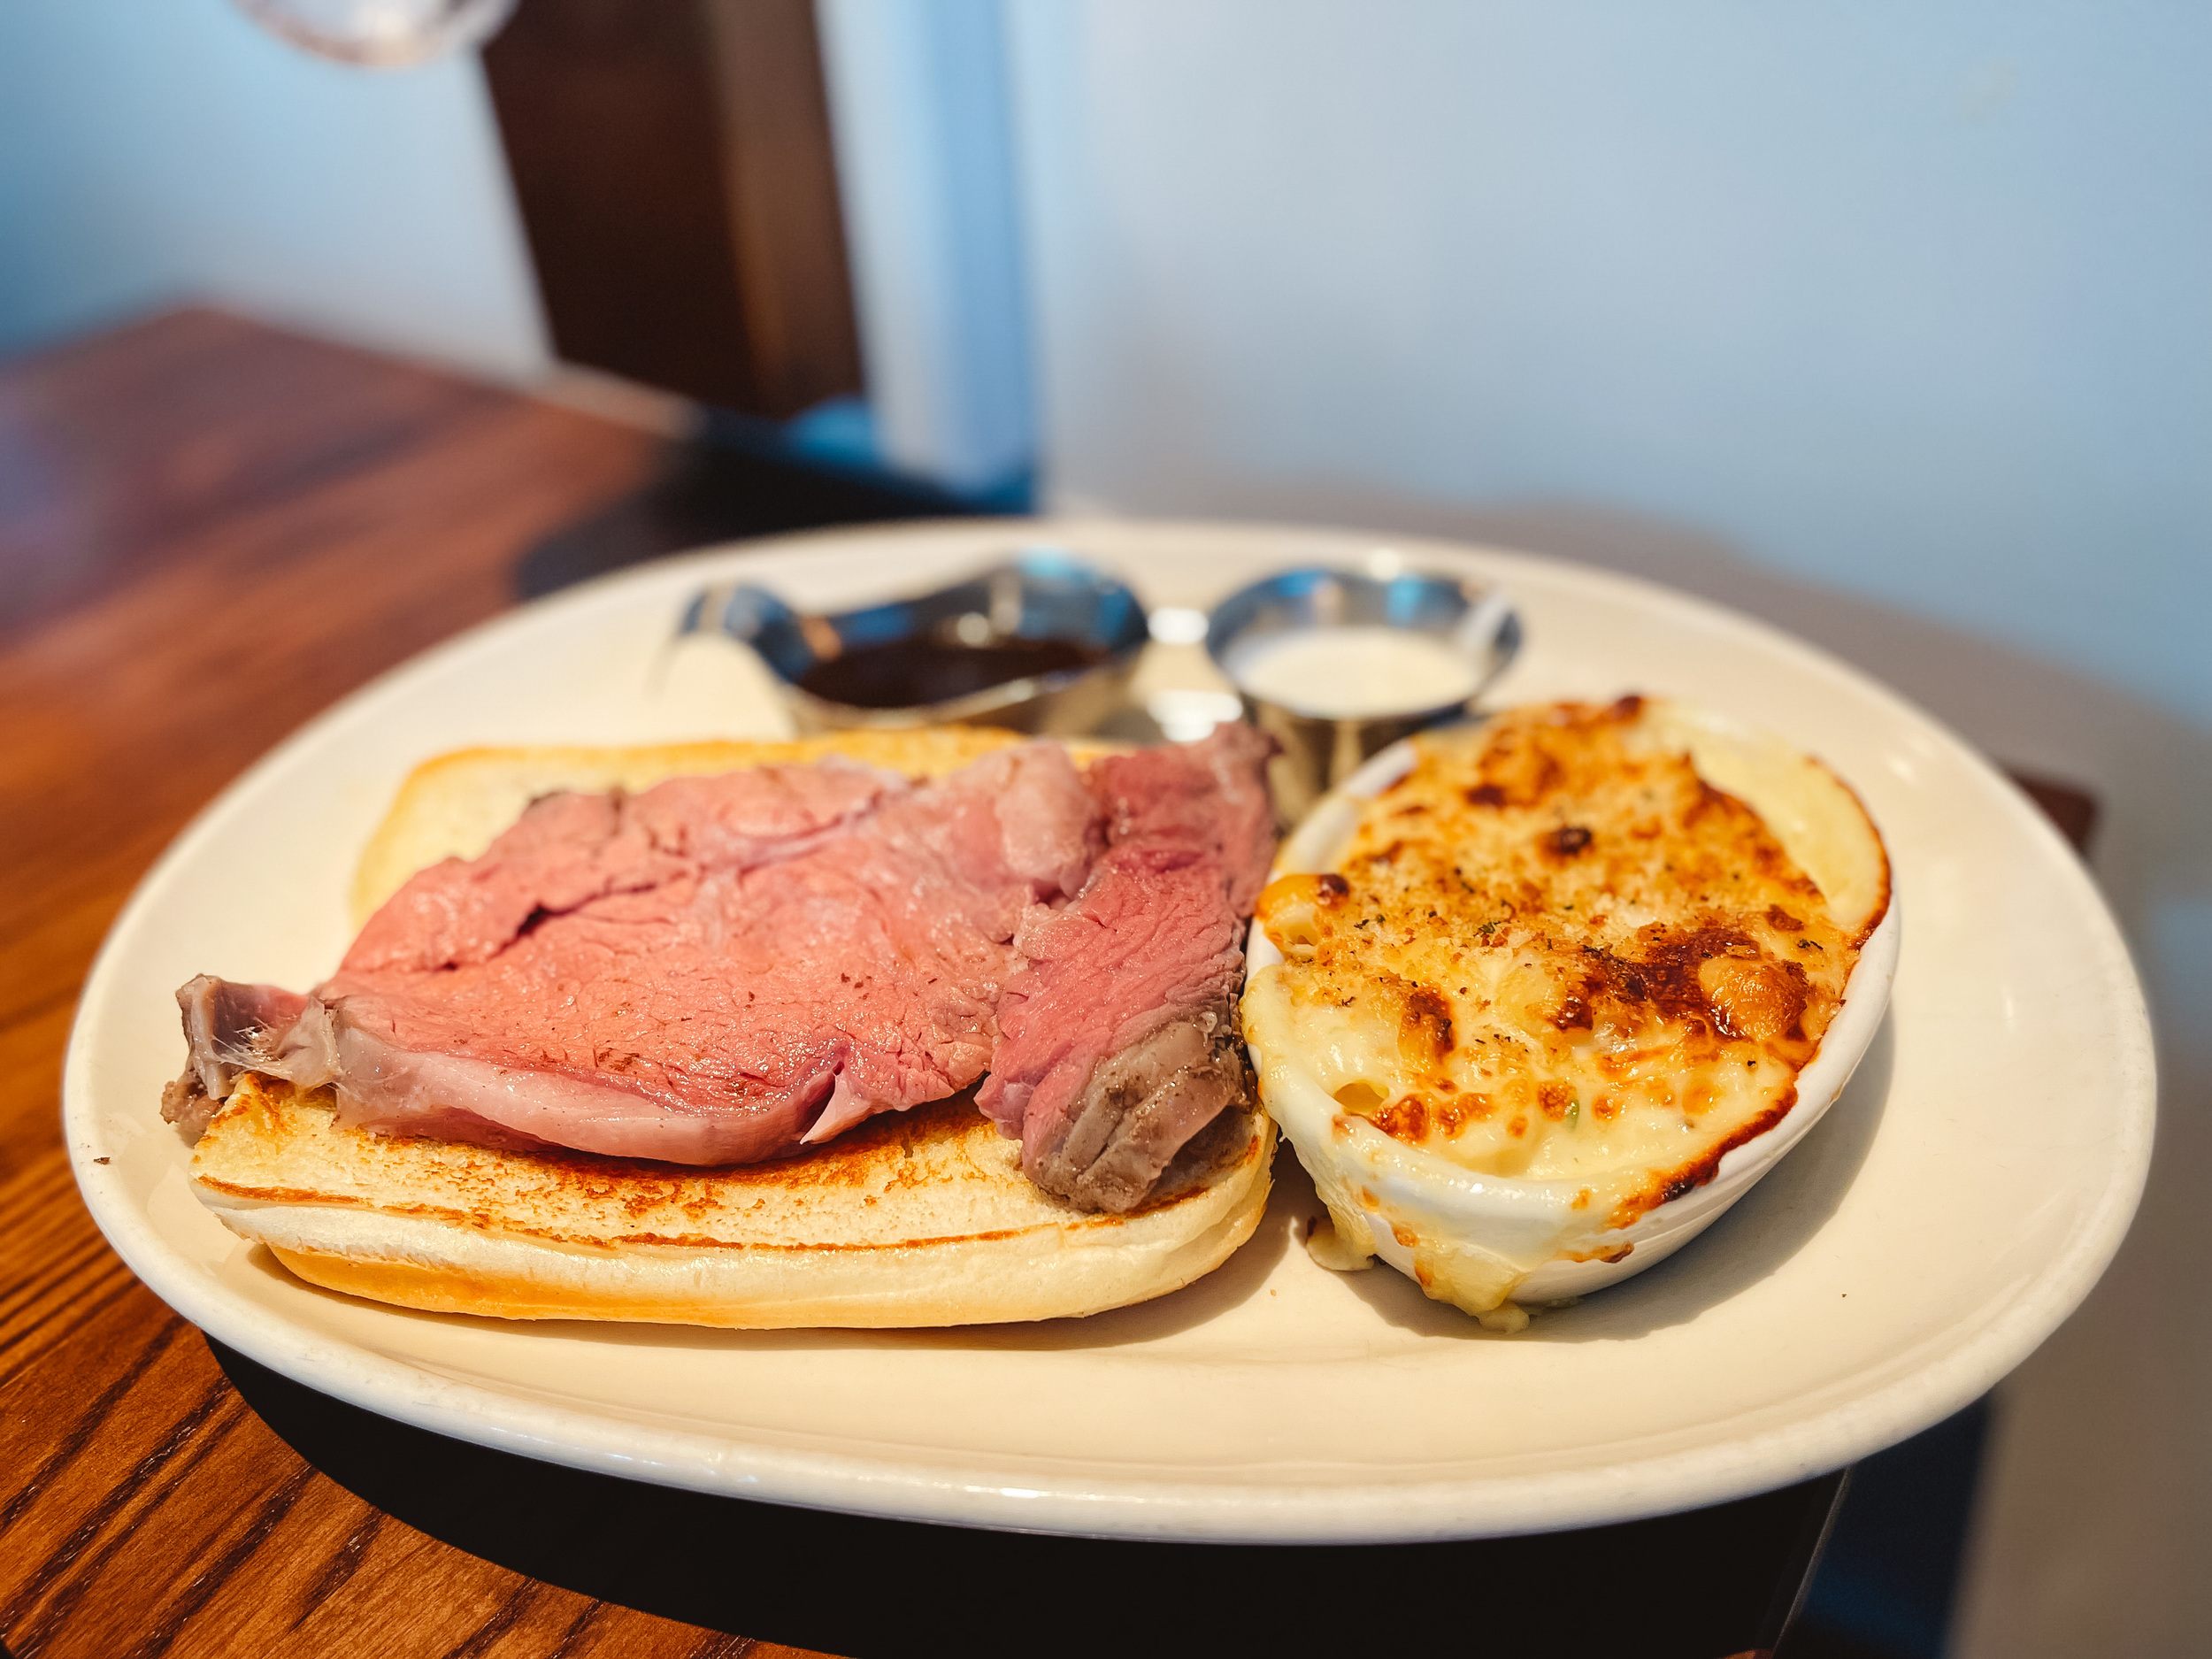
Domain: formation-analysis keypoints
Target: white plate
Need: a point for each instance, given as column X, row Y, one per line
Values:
column 1953, row 1207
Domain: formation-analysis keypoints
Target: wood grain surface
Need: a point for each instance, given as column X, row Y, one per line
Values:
column 208, row 532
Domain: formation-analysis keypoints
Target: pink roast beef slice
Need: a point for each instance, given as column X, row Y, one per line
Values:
column 719, row 969
column 1211, row 796
column 713, row 972
column 1118, row 1039
column 567, row 849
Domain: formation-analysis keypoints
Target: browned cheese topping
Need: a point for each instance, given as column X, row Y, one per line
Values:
column 1553, row 950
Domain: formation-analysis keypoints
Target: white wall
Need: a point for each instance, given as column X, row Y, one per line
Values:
column 152, row 150
column 1916, row 299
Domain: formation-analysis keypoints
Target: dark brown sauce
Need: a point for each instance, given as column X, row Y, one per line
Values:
column 900, row 674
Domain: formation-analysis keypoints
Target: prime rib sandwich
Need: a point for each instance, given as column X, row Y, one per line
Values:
column 699, row 1035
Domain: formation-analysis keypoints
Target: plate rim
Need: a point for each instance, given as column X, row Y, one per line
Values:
column 1011, row 1496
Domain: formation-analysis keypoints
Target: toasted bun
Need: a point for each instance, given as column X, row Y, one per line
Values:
column 915, row 1218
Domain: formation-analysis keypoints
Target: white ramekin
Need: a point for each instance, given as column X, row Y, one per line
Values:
column 1414, row 1202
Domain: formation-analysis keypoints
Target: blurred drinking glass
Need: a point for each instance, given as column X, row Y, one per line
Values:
column 381, row 34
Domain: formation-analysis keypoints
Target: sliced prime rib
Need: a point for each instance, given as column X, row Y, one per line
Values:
column 720, row 970
column 1117, row 1033
column 711, row 971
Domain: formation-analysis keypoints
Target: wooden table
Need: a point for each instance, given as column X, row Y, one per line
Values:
column 209, row 530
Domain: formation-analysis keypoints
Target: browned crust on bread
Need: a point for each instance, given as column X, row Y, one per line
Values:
column 882, row 1153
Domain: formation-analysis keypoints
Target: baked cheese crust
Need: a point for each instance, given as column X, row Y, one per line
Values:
column 1556, row 951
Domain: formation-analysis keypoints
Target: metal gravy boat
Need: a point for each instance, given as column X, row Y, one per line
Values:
column 1068, row 633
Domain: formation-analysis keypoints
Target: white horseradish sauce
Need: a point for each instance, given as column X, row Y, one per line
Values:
column 1353, row 671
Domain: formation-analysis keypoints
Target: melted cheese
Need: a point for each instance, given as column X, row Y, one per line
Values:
column 1556, row 951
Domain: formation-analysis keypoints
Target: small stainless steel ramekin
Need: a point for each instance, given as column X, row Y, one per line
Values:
column 1320, row 751
column 1038, row 594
